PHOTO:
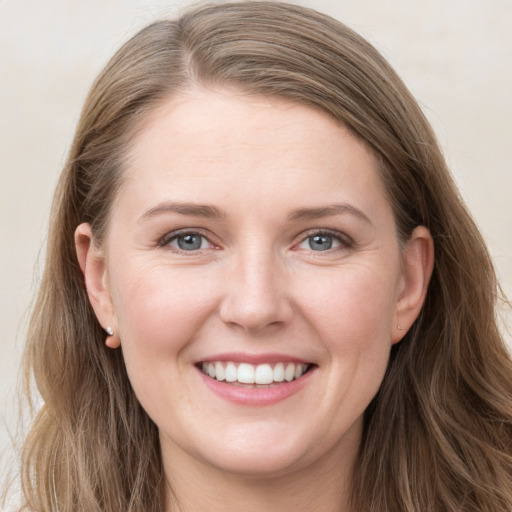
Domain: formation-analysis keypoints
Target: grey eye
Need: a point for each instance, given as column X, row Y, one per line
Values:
column 320, row 242
column 189, row 242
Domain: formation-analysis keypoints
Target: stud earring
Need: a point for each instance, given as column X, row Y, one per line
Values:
column 400, row 328
column 109, row 331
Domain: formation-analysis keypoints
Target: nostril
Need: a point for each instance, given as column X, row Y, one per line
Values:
column 254, row 316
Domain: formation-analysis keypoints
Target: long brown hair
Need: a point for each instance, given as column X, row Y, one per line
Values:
column 437, row 437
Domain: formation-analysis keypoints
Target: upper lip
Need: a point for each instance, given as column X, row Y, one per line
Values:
column 239, row 357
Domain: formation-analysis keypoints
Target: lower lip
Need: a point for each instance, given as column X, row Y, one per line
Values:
column 253, row 396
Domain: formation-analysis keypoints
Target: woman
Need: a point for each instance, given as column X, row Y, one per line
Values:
column 262, row 289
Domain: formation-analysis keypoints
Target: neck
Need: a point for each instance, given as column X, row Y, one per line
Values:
column 323, row 486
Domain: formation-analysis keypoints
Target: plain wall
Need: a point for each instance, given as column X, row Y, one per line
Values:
column 455, row 55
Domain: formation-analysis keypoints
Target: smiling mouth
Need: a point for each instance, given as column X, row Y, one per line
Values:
column 250, row 375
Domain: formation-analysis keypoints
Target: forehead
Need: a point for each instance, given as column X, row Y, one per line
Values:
column 213, row 143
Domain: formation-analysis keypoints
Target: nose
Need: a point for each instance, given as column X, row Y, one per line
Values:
column 256, row 295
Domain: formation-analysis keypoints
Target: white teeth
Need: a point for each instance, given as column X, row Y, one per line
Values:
column 220, row 373
column 263, row 374
column 279, row 372
column 289, row 373
column 246, row 373
column 231, row 372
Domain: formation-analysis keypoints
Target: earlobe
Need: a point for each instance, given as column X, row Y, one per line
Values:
column 417, row 267
column 92, row 263
column 112, row 340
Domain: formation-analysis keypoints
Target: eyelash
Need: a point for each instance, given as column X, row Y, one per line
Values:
column 166, row 240
column 345, row 242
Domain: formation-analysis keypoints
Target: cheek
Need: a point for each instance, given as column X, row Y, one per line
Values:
column 352, row 312
column 159, row 309
column 352, row 306
column 160, row 312
column 355, row 326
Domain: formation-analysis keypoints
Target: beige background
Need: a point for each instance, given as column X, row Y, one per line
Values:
column 455, row 55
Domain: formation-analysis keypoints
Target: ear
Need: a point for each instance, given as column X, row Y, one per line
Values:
column 92, row 263
column 417, row 266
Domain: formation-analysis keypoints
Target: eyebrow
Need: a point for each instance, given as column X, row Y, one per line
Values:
column 191, row 209
column 328, row 211
column 208, row 211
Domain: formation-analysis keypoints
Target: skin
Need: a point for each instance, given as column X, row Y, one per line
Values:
column 255, row 286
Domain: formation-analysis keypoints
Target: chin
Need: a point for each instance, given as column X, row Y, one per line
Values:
column 258, row 464
column 251, row 450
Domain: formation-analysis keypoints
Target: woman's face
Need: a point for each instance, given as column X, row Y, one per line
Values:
column 253, row 276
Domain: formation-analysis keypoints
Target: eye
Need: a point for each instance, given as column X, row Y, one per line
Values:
column 320, row 242
column 187, row 242
column 324, row 241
